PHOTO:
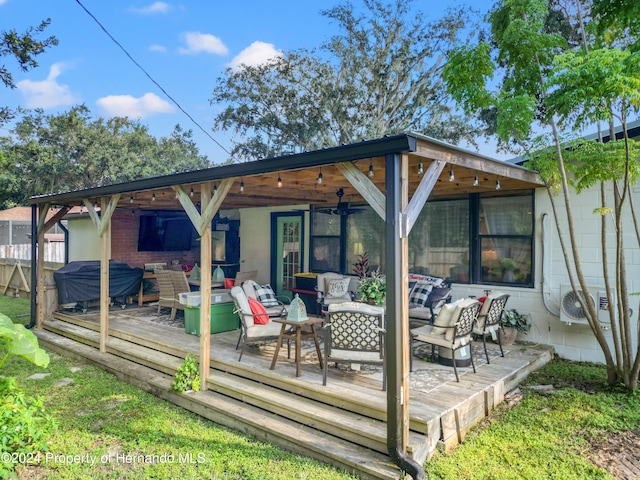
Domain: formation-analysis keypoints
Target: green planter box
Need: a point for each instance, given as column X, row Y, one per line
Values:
column 223, row 318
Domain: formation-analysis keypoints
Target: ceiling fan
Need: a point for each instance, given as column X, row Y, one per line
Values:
column 343, row 208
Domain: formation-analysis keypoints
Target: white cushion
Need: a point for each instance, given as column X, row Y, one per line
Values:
column 267, row 330
column 243, row 304
column 487, row 302
column 445, row 318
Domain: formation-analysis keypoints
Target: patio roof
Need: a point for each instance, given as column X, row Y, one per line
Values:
column 299, row 175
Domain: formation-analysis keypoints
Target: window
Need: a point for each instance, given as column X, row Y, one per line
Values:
column 478, row 239
column 506, row 239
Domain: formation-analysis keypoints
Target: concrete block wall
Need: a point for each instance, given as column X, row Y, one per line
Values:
column 575, row 341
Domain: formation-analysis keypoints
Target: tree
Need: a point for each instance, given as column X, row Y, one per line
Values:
column 71, row 151
column 380, row 75
column 24, row 48
column 560, row 87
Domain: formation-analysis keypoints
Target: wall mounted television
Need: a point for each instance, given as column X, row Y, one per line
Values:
column 165, row 232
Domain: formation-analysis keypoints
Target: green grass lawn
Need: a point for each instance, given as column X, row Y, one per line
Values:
column 131, row 434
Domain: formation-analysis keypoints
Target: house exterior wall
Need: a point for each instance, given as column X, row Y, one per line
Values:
column 575, row 341
column 255, row 239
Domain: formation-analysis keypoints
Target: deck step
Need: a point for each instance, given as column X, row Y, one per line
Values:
column 235, row 414
column 357, row 428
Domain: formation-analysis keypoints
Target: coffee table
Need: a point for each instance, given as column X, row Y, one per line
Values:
column 297, row 333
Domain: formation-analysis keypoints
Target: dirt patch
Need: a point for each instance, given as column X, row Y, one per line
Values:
column 619, row 454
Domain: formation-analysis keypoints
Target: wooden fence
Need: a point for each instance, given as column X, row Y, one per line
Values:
column 53, row 252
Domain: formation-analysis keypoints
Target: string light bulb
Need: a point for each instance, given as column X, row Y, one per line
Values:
column 371, row 168
column 420, row 168
column 215, row 187
column 475, row 181
column 241, row 186
column 153, row 197
column 498, row 184
column 320, row 177
column 452, row 177
column 191, row 192
column 131, row 199
column 279, row 181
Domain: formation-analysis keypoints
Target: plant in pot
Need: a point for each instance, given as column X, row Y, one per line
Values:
column 513, row 322
column 188, row 375
column 372, row 288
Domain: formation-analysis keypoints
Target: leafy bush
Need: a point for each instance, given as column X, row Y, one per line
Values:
column 188, row 375
column 25, row 426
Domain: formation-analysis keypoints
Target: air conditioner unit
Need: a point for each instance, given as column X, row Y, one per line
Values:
column 571, row 311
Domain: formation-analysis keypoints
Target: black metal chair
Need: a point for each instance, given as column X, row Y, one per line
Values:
column 489, row 320
column 354, row 334
column 451, row 331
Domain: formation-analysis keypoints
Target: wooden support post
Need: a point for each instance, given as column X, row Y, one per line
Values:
column 105, row 256
column 205, row 291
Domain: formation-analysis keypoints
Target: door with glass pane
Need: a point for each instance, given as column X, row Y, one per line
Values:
column 286, row 250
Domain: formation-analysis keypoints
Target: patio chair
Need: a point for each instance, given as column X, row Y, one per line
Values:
column 167, row 293
column 452, row 329
column 250, row 331
column 274, row 305
column 333, row 288
column 489, row 320
column 355, row 333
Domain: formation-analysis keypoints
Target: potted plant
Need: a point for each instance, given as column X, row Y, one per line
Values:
column 372, row 288
column 188, row 375
column 513, row 322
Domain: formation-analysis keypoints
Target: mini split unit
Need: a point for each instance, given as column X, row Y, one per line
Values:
column 570, row 310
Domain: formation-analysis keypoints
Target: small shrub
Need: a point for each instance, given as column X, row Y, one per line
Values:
column 24, row 426
column 188, row 375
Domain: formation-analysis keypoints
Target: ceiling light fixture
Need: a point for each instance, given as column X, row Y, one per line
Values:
column 131, row 199
column 320, row 177
column 191, row 192
column 371, row 168
column 153, row 197
column 241, row 186
column 451, row 175
column 420, row 168
column 475, row 181
column 279, row 181
column 497, row 184
column 215, row 187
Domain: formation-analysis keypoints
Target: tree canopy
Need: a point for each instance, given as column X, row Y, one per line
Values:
column 24, row 48
column 560, row 85
column 53, row 153
column 380, row 75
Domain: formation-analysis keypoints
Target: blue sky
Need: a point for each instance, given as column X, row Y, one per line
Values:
column 184, row 46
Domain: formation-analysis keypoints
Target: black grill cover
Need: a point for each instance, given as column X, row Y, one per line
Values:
column 80, row 281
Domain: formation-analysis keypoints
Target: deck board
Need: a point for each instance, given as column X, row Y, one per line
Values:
column 351, row 408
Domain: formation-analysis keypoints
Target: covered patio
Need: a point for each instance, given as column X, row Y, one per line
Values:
column 409, row 170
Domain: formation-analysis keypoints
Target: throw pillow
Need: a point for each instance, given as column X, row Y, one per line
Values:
column 229, row 282
column 460, row 304
column 337, row 288
column 438, row 297
column 419, row 294
column 260, row 315
column 445, row 318
column 265, row 295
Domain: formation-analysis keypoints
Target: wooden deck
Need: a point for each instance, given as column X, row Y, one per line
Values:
column 342, row 423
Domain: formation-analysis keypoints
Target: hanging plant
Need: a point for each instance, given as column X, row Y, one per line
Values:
column 188, row 375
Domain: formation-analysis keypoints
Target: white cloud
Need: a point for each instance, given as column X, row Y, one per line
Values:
column 203, row 42
column 255, row 54
column 47, row 93
column 155, row 7
column 158, row 48
column 128, row 106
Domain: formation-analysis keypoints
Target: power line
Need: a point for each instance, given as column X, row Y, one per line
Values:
column 150, row 77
